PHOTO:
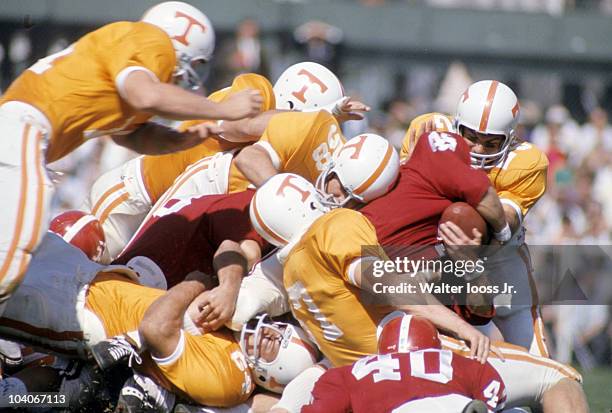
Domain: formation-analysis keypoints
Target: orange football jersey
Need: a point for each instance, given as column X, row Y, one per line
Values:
column 159, row 172
column 210, row 370
column 442, row 123
column 321, row 296
column 521, row 179
column 76, row 88
column 298, row 142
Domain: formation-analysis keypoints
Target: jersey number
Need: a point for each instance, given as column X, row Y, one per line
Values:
column 491, row 393
column 325, row 152
column 441, row 141
column 298, row 294
column 45, row 63
column 439, row 367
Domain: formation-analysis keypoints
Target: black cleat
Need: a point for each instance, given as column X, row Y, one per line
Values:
column 110, row 352
column 141, row 394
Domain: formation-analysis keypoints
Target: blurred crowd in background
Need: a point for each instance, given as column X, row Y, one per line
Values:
column 577, row 208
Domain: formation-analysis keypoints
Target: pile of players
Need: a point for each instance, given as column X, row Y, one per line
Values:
column 257, row 206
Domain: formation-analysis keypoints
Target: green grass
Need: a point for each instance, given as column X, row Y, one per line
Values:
column 598, row 388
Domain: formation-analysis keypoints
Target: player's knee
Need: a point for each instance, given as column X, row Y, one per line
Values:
column 565, row 396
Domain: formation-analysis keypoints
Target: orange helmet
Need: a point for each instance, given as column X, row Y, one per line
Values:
column 399, row 332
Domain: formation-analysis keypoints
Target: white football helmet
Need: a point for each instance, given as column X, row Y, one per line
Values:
column 192, row 35
column 366, row 165
column 284, row 207
column 488, row 107
column 296, row 353
column 307, row 87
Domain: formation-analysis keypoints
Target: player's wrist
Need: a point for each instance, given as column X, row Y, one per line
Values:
column 504, row 234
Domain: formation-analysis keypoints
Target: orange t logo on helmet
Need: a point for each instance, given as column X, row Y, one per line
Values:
column 357, row 145
column 288, row 184
column 300, row 94
column 192, row 22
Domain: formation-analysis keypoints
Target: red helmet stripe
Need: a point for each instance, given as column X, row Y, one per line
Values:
column 404, row 334
column 364, row 186
column 484, row 120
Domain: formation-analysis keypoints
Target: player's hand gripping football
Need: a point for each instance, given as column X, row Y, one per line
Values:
column 243, row 104
column 458, row 243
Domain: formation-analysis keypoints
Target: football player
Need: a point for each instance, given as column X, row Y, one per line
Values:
column 412, row 373
column 95, row 305
column 487, row 114
column 184, row 235
column 109, row 82
column 322, row 260
column 122, row 197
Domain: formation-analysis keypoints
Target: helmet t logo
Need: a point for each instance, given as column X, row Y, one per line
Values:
column 288, row 184
column 192, row 22
column 312, row 79
column 357, row 145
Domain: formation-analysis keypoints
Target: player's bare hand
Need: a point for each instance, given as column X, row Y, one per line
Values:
column 205, row 129
column 243, row 104
column 216, row 307
column 346, row 109
column 480, row 345
column 456, row 241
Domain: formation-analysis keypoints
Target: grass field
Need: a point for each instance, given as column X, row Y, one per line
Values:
column 598, row 388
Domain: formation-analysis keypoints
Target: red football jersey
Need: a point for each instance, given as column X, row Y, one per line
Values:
column 184, row 234
column 386, row 382
column 437, row 174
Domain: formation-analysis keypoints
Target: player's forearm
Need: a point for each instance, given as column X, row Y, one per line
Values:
column 170, row 101
column 255, row 164
column 230, row 264
column 154, row 139
column 512, row 217
column 248, row 129
column 160, row 327
column 439, row 315
column 491, row 210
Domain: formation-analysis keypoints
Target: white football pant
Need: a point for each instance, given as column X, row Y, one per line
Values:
column 26, row 191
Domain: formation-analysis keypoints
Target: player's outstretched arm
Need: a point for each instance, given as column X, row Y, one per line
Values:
column 256, row 165
column 247, row 129
column 154, row 139
column 147, row 94
column 160, row 328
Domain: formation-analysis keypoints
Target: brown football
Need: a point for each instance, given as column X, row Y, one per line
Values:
column 466, row 218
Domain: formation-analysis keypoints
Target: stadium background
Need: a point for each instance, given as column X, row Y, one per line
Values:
column 404, row 58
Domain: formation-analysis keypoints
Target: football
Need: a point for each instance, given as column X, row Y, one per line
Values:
column 466, row 218
column 82, row 230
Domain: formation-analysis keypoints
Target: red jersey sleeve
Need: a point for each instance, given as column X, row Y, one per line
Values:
column 443, row 159
column 330, row 393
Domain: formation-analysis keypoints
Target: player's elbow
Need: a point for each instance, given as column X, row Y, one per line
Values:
column 154, row 328
column 147, row 100
column 246, row 158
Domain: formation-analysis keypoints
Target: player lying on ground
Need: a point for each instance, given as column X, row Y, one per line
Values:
column 92, row 302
